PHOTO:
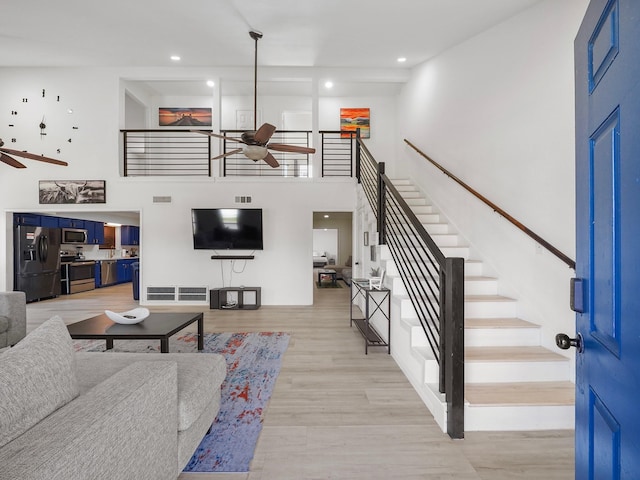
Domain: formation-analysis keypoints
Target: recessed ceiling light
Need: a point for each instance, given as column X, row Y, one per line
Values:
column 402, row 59
column 210, row 83
column 326, row 216
column 328, row 84
column 175, row 58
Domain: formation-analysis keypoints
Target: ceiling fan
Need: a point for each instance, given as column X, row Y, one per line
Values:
column 5, row 158
column 256, row 141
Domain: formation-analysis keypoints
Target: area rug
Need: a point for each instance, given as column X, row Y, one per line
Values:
column 253, row 365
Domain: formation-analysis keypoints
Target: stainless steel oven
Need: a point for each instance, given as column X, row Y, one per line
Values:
column 78, row 276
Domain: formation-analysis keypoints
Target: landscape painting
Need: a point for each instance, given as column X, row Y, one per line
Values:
column 72, row 191
column 184, row 117
column 354, row 118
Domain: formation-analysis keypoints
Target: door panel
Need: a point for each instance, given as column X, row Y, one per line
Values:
column 607, row 57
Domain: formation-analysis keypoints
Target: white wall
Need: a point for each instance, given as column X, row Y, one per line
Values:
column 497, row 111
column 382, row 117
column 283, row 269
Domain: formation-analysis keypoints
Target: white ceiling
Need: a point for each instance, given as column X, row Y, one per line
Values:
column 206, row 33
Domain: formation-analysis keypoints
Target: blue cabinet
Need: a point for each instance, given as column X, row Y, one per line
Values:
column 129, row 235
column 70, row 223
column 48, row 221
column 95, row 232
column 125, row 270
column 26, row 219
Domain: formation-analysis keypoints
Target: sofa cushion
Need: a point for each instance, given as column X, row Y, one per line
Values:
column 37, row 376
column 4, row 324
column 200, row 376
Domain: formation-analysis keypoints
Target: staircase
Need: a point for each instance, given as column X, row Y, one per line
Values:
column 511, row 381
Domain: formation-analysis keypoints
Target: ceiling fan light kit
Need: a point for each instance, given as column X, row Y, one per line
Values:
column 257, row 141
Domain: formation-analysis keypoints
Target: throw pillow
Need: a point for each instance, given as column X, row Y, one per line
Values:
column 37, row 376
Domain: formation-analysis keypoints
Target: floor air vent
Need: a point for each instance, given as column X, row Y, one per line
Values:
column 161, row 293
column 180, row 294
column 192, row 294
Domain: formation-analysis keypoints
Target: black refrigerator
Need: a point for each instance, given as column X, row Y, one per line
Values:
column 37, row 261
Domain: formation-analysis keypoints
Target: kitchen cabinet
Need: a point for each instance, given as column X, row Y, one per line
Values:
column 49, row 221
column 71, row 223
column 95, row 232
column 129, row 235
column 27, row 219
column 124, row 270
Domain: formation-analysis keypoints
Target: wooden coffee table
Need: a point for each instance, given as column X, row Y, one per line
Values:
column 157, row 326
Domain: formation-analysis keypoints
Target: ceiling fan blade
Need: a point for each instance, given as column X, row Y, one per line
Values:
column 31, row 156
column 217, row 135
column 271, row 160
column 264, row 133
column 232, row 152
column 281, row 147
column 11, row 161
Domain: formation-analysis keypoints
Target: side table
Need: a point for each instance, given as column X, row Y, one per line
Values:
column 375, row 301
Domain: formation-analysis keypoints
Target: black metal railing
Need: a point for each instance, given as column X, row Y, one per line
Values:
column 166, row 152
column 434, row 283
column 337, row 153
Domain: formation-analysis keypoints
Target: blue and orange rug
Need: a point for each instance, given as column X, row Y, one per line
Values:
column 253, row 365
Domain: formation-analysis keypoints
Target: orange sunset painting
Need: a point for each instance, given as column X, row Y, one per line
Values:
column 184, row 117
column 354, row 118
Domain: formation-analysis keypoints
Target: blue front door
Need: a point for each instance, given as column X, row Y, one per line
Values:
column 607, row 58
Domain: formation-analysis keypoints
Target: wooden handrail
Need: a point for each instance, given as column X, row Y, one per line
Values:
column 497, row 209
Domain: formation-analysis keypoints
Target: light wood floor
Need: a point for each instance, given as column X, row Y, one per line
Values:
column 337, row 413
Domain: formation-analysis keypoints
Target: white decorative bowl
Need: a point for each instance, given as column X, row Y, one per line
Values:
column 128, row 318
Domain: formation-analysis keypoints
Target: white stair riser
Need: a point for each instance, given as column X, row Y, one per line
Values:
column 487, row 309
column 500, row 372
column 461, row 252
column 502, row 337
column 416, row 201
column 410, row 194
column 471, row 287
column 436, row 228
column 520, row 417
column 423, row 209
column 474, row 269
column 484, row 286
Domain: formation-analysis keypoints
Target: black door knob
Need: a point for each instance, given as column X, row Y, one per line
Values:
column 564, row 342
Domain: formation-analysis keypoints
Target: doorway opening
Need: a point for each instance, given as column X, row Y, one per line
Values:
column 332, row 249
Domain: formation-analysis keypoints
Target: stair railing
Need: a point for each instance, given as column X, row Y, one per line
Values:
column 434, row 283
column 541, row 241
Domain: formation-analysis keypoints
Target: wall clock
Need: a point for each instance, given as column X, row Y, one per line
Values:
column 42, row 123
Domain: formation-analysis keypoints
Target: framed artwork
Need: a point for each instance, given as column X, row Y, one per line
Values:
column 354, row 118
column 184, row 117
column 366, row 239
column 71, row 191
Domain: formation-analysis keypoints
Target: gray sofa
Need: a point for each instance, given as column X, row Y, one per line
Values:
column 343, row 272
column 13, row 318
column 67, row 415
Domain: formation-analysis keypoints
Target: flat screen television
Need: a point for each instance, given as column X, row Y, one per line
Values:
column 227, row 228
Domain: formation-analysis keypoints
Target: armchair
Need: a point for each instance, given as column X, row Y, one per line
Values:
column 13, row 318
